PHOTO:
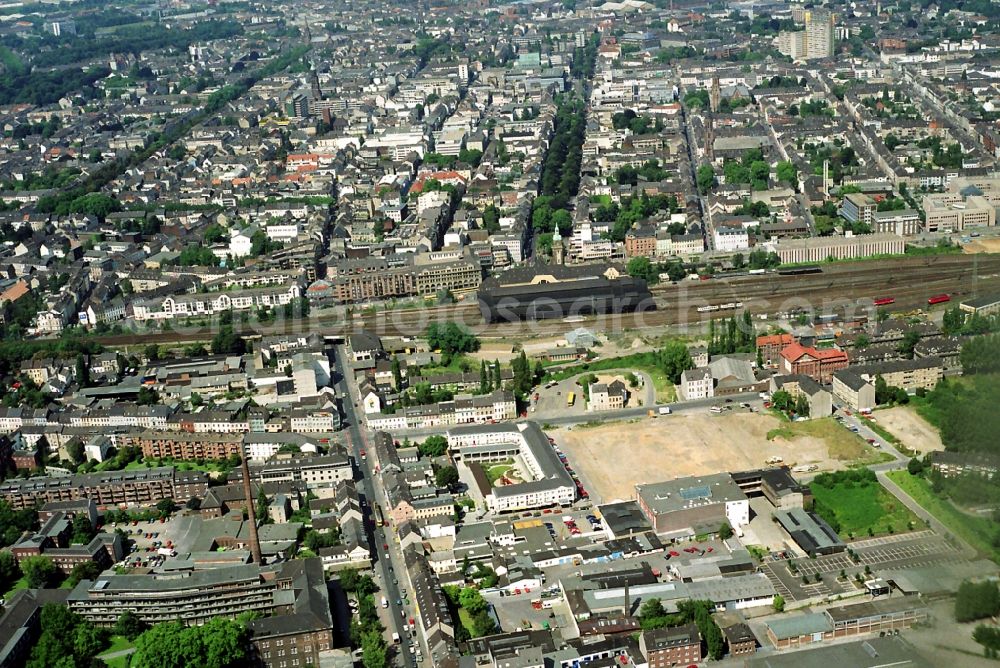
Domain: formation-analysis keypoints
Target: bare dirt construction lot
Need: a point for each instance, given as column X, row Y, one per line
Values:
column 982, row 246
column 915, row 432
column 613, row 458
column 946, row 642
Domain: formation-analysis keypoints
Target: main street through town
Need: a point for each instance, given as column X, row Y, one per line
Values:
column 389, row 566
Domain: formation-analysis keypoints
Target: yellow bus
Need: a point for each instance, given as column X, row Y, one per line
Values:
column 570, row 398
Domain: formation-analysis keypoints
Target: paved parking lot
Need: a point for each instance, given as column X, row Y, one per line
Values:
column 552, row 400
column 914, row 550
column 562, row 531
column 145, row 538
column 516, row 612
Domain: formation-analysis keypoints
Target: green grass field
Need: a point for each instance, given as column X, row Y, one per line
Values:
column 859, row 508
column 466, row 619
column 841, row 443
column 20, row 584
column 976, row 531
column 496, row 471
column 458, row 364
column 118, row 644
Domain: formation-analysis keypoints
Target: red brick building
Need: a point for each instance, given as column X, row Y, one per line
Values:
column 771, row 345
column 53, row 540
column 184, row 445
column 740, row 640
column 819, row 365
column 26, row 459
column 640, row 242
column 677, row 646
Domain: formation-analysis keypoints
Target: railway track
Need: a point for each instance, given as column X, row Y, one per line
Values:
column 910, row 281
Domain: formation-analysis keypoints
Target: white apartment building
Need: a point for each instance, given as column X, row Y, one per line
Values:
column 697, row 384
column 551, row 484
column 730, row 239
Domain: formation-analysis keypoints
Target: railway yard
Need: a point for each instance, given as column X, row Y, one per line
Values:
column 910, row 281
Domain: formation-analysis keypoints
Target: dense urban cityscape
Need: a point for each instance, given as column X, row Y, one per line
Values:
column 499, row 334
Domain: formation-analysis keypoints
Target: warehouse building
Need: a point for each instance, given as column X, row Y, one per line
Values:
column 690, row 506
column 557, row 291
column 819, row 249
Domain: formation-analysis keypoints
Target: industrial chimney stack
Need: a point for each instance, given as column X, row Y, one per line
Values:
column 251, row 513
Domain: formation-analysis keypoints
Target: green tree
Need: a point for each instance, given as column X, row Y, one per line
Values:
column 75, row 450
column 523, row 375
column 349, row 579
column 166, row 645
column 989, row 638
column 484, row 378
column 705, row 179
column 909, row 342
column 883, row 393
column 214, row 233
column 373, row 650
column 225, row 642
column 782, row 400
column 676, row 271
column 981, row 354
column 40, row 572
column 641, row 267
column 674, row 359
column 725, row 531
column 786, row 172
column 147, row 396
column 953, row 321
column 451, row 339
column 88, row 640
column 95, row 204
column 166, row 506
column 10, row 572
column 262, row 503
column 227, row 342
column 976, row 600
column 562, row 221
column 778, row 603
column 129, row 625
column 397, row 373
column 433, row 446
column 915, row 466
column 83, row 530
column 219, row 643
column 446, row 476
column 471, row 600
column 82, row 370
column 66, row 640
column 652, row 607
column 491, row 219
